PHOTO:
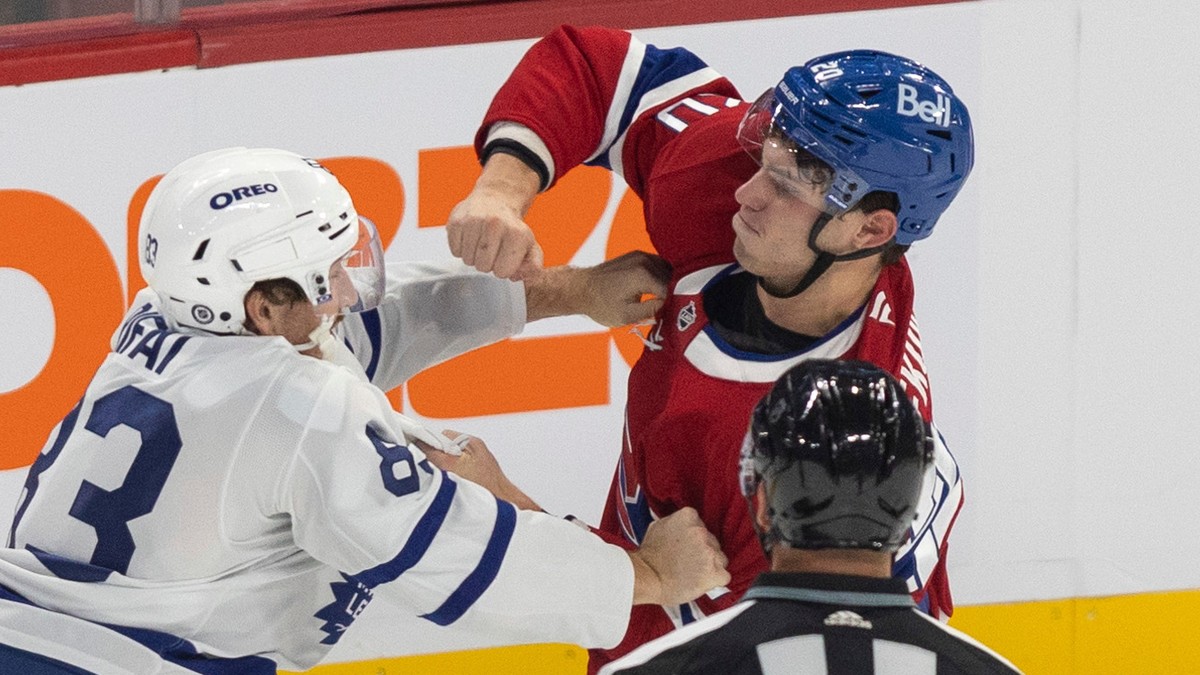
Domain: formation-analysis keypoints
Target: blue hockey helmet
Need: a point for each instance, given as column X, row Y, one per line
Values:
column 881, row 122
column 842, row 454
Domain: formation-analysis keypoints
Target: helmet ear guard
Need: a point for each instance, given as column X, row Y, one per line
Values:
column 220, row 222
column 841, row 454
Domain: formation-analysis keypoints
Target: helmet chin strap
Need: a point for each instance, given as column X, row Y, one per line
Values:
column 332, row 349
column 824, row 261
column 319, row 337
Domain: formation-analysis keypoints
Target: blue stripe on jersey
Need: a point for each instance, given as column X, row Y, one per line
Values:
column 13, row 660
column 924, row 604
column 172, row 648
column 484, row 573
column 741, row 355
column 351, row 595
column 685, row 613
column 65, row 568
column 659, row 66
column 905, row 567
column 182, row 653
column 371, row 323
column 418, row 542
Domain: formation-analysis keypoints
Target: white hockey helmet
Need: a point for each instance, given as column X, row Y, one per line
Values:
column 220, row 222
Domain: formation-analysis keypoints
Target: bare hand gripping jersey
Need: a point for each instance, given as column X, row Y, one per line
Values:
column 667, row 124
column 228, row 504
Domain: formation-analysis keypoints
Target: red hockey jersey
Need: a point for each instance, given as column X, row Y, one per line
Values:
column 667, row 124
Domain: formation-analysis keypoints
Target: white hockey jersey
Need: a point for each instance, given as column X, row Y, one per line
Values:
column 233, row 505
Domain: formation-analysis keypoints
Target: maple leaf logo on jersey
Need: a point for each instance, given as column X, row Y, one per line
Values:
column 349, row 600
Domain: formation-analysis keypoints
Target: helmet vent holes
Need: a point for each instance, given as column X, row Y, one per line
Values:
column 203, row 281
column 325, row 227
column 337, row 234
column 199, row 255
column 940, row 133
column 843, row 140
column 853, row 132
column 820, row 121
column 345, row 215
column 869, row 92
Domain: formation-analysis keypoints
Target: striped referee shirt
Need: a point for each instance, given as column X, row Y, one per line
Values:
column 816, row 624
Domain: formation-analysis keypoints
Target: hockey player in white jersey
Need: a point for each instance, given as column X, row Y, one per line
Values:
column 231, row 491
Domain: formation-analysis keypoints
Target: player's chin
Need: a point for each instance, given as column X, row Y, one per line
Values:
column 743, row 256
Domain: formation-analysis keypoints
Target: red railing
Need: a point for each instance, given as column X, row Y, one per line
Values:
column 265, row 30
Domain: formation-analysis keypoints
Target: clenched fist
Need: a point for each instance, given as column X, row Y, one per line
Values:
column 684, row 558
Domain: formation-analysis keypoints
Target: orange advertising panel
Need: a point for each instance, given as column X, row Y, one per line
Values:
column 528, row 374
column 59, row 248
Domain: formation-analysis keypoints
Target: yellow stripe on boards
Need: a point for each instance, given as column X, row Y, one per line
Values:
column 552, row 659
column 1144, row 634
column 1139, row 634
column 1035, row 636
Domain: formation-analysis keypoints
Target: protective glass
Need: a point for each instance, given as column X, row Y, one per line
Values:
column 357, row 279
column 796, row 160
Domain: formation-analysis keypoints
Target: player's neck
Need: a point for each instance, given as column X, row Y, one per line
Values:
column 835, row 295
column 854, row 562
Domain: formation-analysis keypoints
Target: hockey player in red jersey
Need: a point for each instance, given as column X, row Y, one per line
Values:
column 785, row 222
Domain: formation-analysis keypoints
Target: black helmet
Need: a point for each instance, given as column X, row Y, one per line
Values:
column 841, row 452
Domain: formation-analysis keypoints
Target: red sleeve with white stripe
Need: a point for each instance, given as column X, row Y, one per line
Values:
column 589, row 93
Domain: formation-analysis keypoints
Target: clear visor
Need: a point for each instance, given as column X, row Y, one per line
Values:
column 795, row 160
column 357, row 279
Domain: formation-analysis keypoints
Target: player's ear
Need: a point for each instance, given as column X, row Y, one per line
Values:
column 258, row 312
column 877, row 228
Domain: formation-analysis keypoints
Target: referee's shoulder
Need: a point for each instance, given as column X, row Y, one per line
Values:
column 957, row 651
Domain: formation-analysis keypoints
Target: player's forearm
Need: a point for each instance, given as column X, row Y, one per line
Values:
column 647, row 587
column 508, row 180
column 555, row 291
column 513, row 495
column 627, row 289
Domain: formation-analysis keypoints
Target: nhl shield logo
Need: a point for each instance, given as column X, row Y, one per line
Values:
column 687, row 317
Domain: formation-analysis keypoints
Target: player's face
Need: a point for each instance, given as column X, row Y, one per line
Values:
column 779, row 206
column 342, row 290
column 296, row 321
